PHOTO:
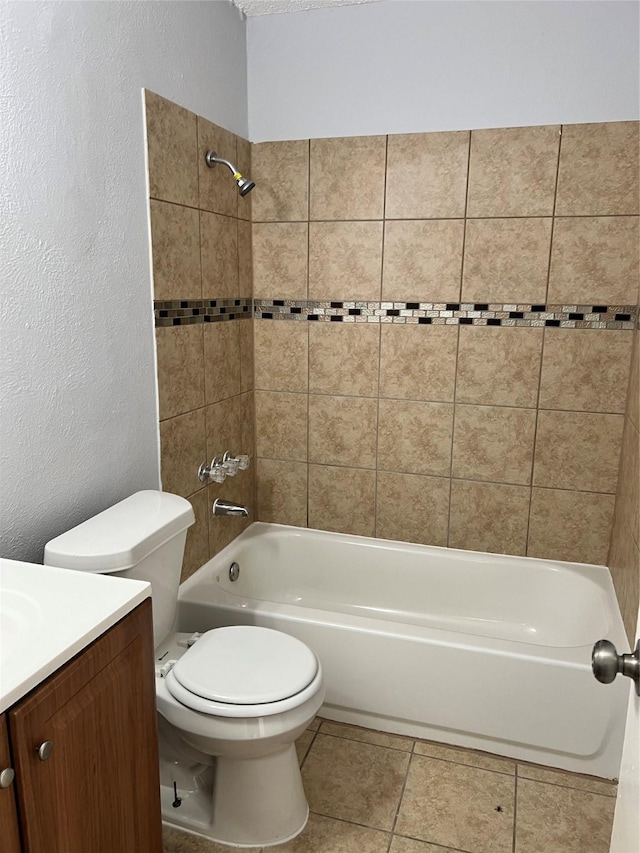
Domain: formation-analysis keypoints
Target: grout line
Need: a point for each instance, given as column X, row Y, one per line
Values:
column 541, row 363
column 455, row 375
column 377, row 461
column 515, row 811
column 404, row 787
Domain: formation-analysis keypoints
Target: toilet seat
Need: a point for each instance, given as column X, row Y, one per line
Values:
column 244, row 671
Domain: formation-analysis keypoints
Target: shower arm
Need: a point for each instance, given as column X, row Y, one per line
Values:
column 212, row 158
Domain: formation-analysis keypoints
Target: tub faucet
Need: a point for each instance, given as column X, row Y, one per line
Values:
column 221, row 507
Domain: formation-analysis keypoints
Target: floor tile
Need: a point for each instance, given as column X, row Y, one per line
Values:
column 552, row 819
column 176, row 841
column 303, row 743
column 465, row 756
column 314, row 725
column 410, row 845
column 354, row 781
column 458, row 806
column 326, row 835
column 567, row 780
column 367, row 736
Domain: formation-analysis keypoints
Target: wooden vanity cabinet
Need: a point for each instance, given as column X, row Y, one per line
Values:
column 98, row 789
column 9, row 835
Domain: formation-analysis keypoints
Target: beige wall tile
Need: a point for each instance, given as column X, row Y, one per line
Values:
column 595, row 260
column 578, row 450
column 343, row 359
column 569, row 525
column 245, row 260
column 180, row 369
column 463, row 815
column 246, row 355
column 281, row 425
column 196, row 549
column 176, row 251
column 172, row 144
column 247, row 424
column 628, row 493
column 217, row 189
column 624, row 564
column 427, row 175
column 598, row 169
column 282, row 492
column 415, row 438
column 633, row 396
column 585, row 370
column 555, row 818
column 219, row 244
column 281, row 173
column 342, row 499
column 281, row 353
column 245, row 166
column 493, row 443
column 345, row 260
column 422, row 260
column 512, row 171
column 343, row 431
column 223, row 427
column 336, row 768
column 222, row 359
column 499, row 366
column 280, row 260
column 347, row 177
column 412, row 508
column 418, row 362
column 506, row 260
column 182, row 450
column 489, row 517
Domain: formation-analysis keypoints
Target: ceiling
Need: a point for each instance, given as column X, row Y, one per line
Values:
column 273, row 7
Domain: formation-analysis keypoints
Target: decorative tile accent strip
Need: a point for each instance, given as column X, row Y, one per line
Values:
column 451, row 313
column 186, row 312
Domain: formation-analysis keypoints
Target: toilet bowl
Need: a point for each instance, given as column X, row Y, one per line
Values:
column 231, row 701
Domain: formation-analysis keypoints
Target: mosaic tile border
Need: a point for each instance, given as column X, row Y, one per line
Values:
column 183, row 312
column 187, row 312
column 451, row 313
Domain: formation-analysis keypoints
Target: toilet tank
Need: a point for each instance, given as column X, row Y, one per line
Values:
column 142, row 537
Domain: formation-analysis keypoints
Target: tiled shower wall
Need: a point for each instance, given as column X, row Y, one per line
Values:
column 443, row 334
column 201, row 250
column 624, row 555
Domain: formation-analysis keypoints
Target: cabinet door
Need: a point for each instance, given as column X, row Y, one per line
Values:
column 99, row 791
column 9, row 837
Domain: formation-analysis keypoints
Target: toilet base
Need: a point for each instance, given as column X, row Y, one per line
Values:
column 249, row 802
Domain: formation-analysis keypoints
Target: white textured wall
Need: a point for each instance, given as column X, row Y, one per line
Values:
column 402, row 66
column 78, row 410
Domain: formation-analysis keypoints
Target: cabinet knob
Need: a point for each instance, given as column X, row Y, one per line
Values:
column 6, row 777
column 44, row 750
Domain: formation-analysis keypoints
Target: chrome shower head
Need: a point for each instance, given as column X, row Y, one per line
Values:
column 245, row 185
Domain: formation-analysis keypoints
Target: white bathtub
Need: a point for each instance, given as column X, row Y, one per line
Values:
column 478, row 650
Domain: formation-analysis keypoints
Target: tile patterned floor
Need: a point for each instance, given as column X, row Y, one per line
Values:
column 371, row 792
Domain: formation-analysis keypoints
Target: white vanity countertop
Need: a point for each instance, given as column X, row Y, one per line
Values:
column 48, row 615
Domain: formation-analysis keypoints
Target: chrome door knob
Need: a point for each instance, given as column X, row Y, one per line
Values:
column 6, row 777
column 606, row 663
column 44, row 750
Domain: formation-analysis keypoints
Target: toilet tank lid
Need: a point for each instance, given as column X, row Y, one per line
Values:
column 123, row 535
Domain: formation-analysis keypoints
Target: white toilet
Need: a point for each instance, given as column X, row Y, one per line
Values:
column 231, row 701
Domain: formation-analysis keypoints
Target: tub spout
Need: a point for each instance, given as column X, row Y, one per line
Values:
column 221, row 507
